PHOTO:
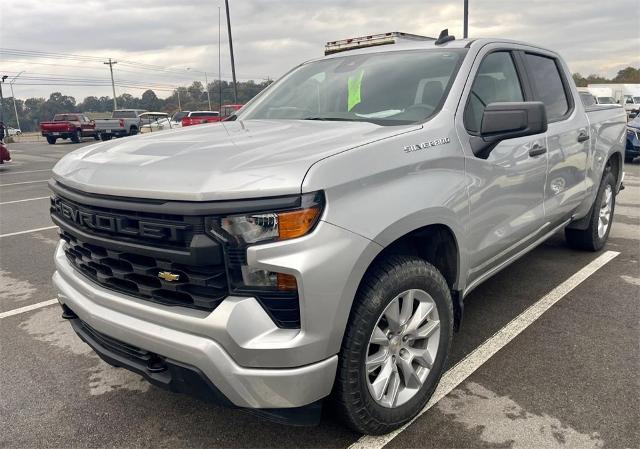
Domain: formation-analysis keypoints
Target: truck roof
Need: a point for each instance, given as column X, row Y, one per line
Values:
column 402, row 42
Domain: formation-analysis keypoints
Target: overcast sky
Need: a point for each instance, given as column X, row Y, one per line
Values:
column 270, row 36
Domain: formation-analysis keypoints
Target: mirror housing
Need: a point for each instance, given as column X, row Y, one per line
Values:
column 502, row 121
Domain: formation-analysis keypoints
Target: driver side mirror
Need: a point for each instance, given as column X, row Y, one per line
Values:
column 502, row 121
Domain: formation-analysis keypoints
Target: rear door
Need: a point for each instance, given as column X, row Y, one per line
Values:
column 506, row 188
column 567, row 135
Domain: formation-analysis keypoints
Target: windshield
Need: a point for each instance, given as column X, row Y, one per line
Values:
column 606, row 100
column 390, row 88
column 636, row 100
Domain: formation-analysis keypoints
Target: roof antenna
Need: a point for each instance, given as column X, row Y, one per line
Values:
column 444, row 37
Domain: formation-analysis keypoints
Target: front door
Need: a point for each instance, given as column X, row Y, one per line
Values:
column 506, row 189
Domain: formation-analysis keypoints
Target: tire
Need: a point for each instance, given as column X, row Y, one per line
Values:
column 133, row 131
column 51, row 140
column 591, row 238
column 76, row 137
column 104, row 137
column 96, row 137
column 353, row 394
column 628, row 158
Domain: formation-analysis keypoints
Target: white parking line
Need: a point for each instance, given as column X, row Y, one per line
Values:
column 23, row 172
column 463, row 369
column 28, row 199
column 28, row 231
column 23, row 182
column 28, row 308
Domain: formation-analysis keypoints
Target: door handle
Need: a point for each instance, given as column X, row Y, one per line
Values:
column 537, row 150
column 583, row 137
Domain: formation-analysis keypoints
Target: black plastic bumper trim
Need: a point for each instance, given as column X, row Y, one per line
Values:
column 183, row 378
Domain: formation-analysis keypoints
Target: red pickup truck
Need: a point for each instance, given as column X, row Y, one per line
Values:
column 200, row 117
column 4, row 154
column 68, row 126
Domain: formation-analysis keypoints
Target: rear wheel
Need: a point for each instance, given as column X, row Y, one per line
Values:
column 133, row 131
column 594, row 237
column 395, row 346
column 51, row 140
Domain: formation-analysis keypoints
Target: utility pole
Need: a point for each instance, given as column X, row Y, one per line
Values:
column 206, row 86
column 110, row 63
column 179, row 105
column 4, row 77
column 15, row 108
column 219, row 64
column 233, row 64
column 465, row 33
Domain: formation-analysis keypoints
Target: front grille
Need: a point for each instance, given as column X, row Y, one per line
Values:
column 166, row 258
column 201, row 287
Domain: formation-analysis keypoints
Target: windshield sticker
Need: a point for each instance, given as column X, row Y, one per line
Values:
column 354, row 83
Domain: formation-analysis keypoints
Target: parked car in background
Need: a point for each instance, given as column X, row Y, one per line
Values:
column 159, row 125
column 11, row 131
column 200, row 117
column 149, row 121
column 72, row 126
column 5, row 156
column 626, row 95
column 123, row 122
column 632, row 149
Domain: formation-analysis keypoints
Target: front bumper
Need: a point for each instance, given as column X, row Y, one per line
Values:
column 237, row 347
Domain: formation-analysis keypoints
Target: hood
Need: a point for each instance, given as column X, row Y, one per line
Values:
column 230, row 160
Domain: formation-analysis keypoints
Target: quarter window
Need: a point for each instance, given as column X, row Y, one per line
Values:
column 496, row 81
column 548, row 85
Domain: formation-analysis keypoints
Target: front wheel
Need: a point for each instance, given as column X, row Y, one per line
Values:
column 76, row 137
column 594, row 237
column 396, row 345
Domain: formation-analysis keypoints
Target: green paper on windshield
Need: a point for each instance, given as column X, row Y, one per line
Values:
column 354, row 84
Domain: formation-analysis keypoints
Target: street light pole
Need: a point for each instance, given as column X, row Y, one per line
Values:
column 206, row 86
column 110, row 63
column 233, row 64
column 4, row 77
column 219, row 65
column 466, row 19
column 15, row 108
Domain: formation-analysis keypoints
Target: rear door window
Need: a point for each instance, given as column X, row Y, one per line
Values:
column 548, row 85
column 496, row 81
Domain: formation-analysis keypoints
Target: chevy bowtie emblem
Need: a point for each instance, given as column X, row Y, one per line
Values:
column 168, row 276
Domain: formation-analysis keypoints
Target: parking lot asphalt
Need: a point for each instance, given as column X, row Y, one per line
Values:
column 570, row 379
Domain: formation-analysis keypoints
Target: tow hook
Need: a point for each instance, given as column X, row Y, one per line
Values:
column 156, row 364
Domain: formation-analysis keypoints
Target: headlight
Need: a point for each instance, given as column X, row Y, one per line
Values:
column 243, row 230
column 237, row 232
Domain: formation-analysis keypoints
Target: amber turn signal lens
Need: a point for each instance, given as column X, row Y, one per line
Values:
column 286, row 282
column 297, row 223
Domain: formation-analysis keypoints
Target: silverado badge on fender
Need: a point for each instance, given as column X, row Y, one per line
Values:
column 168, row 276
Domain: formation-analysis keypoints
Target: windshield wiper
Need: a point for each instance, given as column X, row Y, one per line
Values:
column 331, row 119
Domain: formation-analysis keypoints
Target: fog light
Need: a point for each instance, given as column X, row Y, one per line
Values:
column 252, row 277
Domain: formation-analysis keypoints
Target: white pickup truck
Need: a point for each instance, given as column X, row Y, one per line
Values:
column 123, row 122
column 321, row 244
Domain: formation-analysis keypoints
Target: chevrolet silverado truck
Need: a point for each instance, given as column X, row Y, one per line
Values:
column 123, row 122
column 68, row 126
column 317, row 249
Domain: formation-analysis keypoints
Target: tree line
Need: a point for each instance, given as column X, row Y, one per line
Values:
column 32, row 111
column 628, row 75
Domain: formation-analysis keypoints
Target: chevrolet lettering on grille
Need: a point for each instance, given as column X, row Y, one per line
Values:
column 116, row 224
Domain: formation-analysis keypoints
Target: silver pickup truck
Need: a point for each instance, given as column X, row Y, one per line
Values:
column 123, row 122
column 322, row 243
